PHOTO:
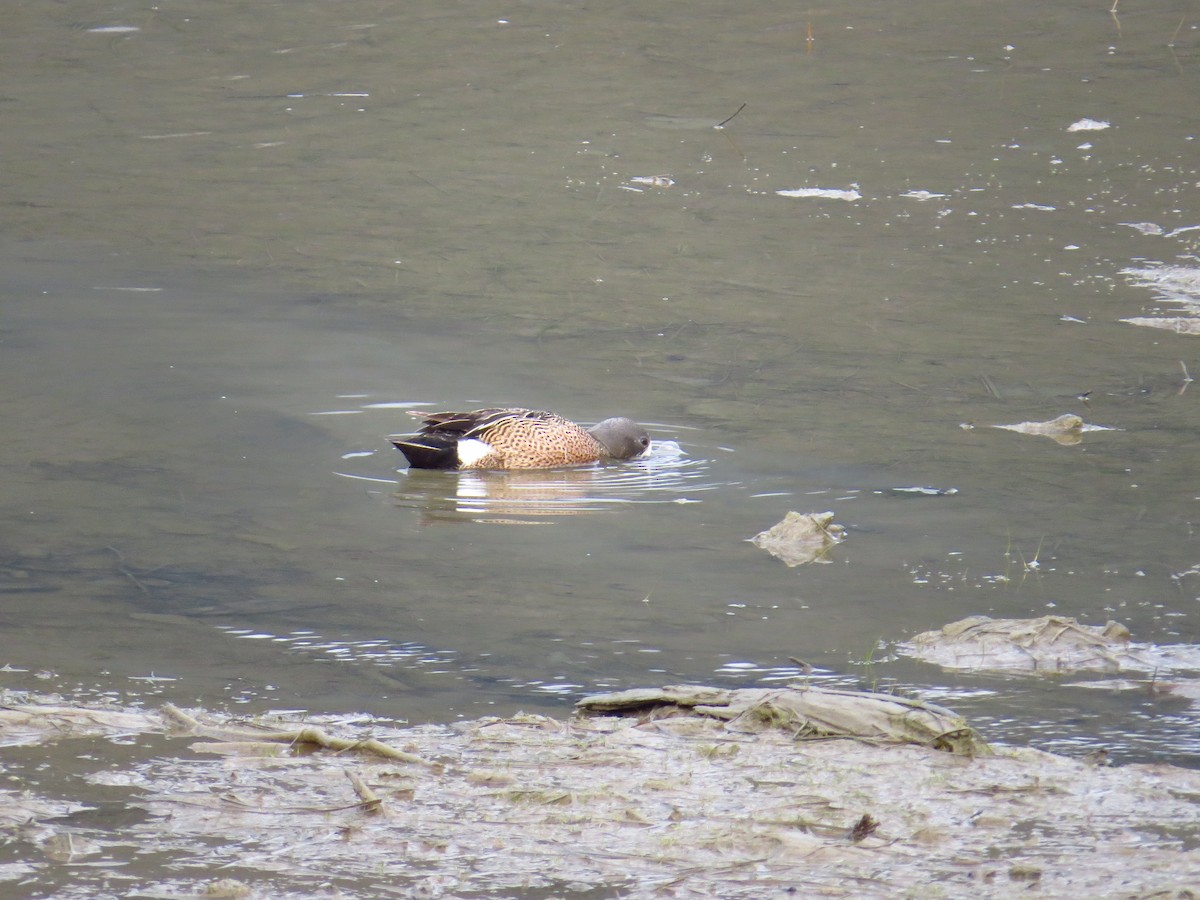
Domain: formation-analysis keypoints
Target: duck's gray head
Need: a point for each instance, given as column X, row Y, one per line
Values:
column 623, row 438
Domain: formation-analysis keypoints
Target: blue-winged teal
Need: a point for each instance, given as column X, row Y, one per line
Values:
column 517, row 439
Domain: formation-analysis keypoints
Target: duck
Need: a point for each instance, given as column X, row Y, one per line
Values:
column 499, row 438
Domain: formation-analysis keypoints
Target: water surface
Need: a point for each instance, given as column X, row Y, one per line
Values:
column 241, row 240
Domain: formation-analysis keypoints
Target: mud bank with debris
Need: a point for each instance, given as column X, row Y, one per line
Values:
column 674, row 792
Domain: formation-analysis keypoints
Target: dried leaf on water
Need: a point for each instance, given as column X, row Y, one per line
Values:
column 801, row 538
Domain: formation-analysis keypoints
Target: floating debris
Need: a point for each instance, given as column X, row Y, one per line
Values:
column 1067, row 429
column 1145, row 227
column 801, row 538
column 1179, row 285
column 1089, row 125
column 917, row 491
column 663, row 181
column 823, row 193
column 307, row 735
column 1175, row 324
column 725, row 797
column 802, row 712
column 1050, row 645
column 1170, row 284
column 1152, row 228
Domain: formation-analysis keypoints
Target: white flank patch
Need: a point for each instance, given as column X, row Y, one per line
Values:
column 471, row 451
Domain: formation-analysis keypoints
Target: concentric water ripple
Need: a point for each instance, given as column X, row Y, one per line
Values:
column 667, row 475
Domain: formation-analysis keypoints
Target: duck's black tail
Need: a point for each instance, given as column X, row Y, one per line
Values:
column 429, row 451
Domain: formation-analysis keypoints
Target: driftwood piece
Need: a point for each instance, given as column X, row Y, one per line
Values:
column 306, row 735
column 371, row 802
column 806, row 712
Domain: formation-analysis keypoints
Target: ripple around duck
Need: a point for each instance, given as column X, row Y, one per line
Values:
column 528, row 496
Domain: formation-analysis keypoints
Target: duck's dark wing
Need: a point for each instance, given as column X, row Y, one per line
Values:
column 467, row 423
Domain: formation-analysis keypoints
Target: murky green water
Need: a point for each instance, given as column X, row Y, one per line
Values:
column 242, row 238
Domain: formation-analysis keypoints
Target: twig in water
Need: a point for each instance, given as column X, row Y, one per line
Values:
column 124, row 570
column 990, row 385
column 806, row 668
column 303, row 735
column 370, row 800
column 725, row 122
column 1179, row 28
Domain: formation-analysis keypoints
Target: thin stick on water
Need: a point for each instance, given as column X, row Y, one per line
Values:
column 731, row 118
column 1178, row 28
